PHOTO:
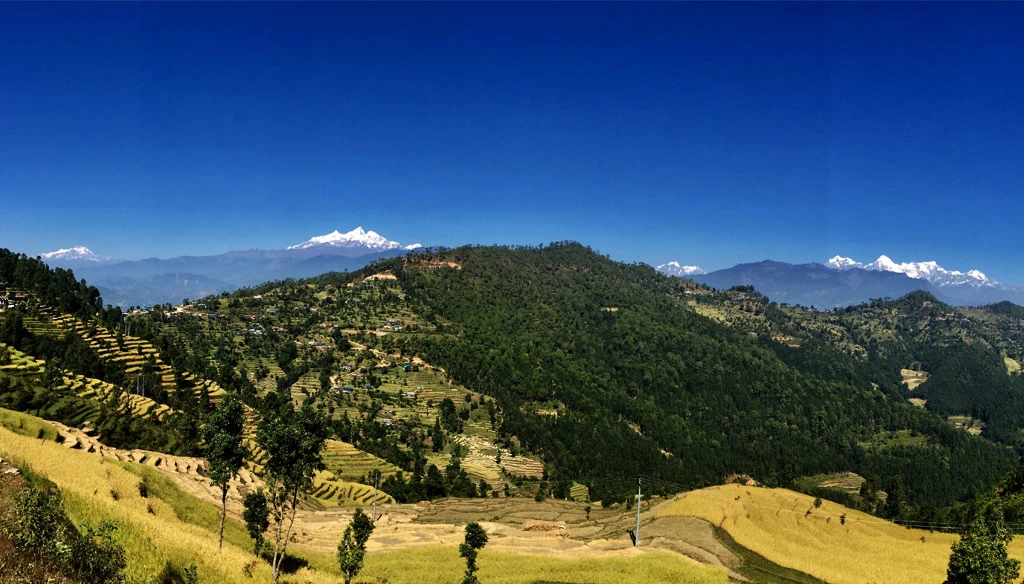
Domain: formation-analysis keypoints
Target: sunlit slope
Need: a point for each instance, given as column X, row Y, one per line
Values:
column 864, row 550
column 95, row 489
column 442, row 565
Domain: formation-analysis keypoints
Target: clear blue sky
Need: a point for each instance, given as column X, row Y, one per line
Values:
column 709, row 134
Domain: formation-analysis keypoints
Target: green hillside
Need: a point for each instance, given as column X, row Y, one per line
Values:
column 499, row 367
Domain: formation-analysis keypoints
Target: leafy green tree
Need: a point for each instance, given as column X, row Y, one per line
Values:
column 352, row 547
column 437, row 436
column 894, row 500
column 449, row 416
column 257, row 517
column 223, row 431
column 980, row 555
column 294, row 440
column 476, row 538
column 53, row 376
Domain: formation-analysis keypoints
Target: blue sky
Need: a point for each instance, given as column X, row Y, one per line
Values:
column 709, row 134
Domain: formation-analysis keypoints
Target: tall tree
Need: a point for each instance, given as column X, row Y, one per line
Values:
column 352, row 547
column 437, row 436
column 895, row 498
column 223, row 431
column 476, row 538
column 294, row 440
column 980, row 555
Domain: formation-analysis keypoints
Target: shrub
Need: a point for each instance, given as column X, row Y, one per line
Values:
column 40, row 528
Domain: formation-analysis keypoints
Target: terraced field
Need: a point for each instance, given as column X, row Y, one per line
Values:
column 347, row 463
column 579, row 492
column 847, row 482
column 93, row 390
column 307, row 385
column 21, row 364
column 913, row 378
column 329, row 489
column 133, row 352
column 430, row 386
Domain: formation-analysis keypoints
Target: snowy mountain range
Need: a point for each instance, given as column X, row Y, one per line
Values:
column 842, row 281
column 73, row 254
column 930, row 271
column 676, row 269
column 156, row 280
column 357, row 238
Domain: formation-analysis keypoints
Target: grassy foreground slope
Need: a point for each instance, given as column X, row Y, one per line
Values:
column 863, row 550
column 89, row 484
column 442, row 565
column 171, row 526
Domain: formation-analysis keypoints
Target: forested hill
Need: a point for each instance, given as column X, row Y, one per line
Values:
column 602, row 369
column 641, row 383
column 956, row 361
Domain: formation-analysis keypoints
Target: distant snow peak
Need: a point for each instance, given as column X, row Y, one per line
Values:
column 840, row 263
column 358, row 237
column 930, row 271
column 78, row 253
column 677, row 269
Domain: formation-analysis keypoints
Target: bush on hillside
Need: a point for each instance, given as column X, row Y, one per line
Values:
column 43, row 535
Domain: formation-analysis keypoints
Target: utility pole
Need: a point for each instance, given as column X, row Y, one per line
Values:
column 636, row 541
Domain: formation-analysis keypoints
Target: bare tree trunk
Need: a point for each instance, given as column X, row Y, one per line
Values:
column 277, row 548
column 223, row 512
column 278, row 559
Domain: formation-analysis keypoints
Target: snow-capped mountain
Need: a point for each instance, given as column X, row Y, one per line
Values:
column 371, row 240
column 73, row 254
column 677, row 269
column 930, row 271
column 840, row 263
column 156, row 280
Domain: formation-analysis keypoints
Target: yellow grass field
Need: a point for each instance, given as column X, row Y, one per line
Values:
column 150, row 539
column 442, row 565
column 866, row 550
column 1012, row 366
column 97, row 488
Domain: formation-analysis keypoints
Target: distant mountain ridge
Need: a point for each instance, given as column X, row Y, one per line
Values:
column 814, row 284
column 971, row 287
column 930, row 271
column 843, row 281
column 157, row 280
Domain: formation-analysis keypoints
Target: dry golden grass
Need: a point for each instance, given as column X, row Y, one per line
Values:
column 89, row 484
column 442, row 565
column 866, row 550
column 1012, row 366
column 96, row 488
